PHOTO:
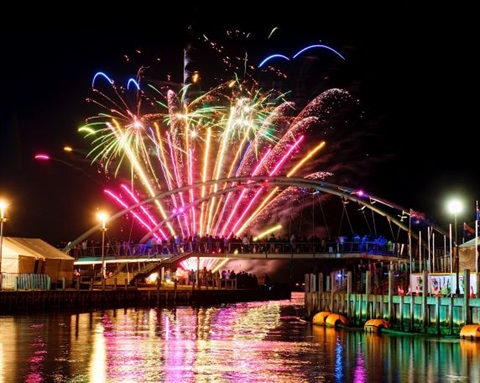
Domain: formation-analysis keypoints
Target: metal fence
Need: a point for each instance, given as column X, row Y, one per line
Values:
column 17, row 281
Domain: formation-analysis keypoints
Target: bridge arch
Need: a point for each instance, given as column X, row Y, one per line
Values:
column 392, row 212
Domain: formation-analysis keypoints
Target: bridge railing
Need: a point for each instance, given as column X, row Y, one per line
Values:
column 237, row 247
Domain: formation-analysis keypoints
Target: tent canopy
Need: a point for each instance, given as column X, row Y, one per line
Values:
column 35, row 256
column 33, row 247
column 470, row 243
column 467, row 255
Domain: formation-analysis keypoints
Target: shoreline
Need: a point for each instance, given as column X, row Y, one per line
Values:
column 34, row 301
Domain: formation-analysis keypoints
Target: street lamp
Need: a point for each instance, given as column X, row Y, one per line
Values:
column 77, row 154
column 103, row 218
column 455, row 207
column 3, row 206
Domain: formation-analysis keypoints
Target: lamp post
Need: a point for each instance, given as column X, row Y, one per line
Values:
column 3, row 206
column 103, row 218
column 455, row 207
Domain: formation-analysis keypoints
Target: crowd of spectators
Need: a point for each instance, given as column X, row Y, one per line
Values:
column 240, row 244
column 216, row 278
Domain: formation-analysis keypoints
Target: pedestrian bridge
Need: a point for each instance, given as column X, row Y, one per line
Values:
column 277, row 251
column 142, row 265
column 327, row 210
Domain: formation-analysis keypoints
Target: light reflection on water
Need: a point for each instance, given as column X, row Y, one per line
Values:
column 247, row 342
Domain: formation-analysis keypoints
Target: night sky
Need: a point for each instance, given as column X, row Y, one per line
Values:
column 410, row 69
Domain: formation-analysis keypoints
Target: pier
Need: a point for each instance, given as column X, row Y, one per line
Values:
column 418, row 312
column 25, row 301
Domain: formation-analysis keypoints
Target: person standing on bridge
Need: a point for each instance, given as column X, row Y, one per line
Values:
column 245, row 244
column 293, row 243
column 356, row 242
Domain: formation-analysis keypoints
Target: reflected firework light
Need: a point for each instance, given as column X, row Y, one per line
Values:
column 198, row 263
column 276, row 269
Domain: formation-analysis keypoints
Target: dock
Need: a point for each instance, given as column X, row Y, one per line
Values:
column 81, row 300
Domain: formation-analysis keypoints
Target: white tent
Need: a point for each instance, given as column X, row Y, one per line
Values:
column 35, row 256
column 466, row 252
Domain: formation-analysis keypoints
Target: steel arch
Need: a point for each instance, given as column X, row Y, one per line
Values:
column 369, row 201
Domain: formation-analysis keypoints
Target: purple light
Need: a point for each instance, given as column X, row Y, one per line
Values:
column 42, row 157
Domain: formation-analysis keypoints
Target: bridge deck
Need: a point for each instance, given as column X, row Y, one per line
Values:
column 169, row 259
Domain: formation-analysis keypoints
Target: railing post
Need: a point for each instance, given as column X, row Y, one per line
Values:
column 425, row 292
column 391, row 276
column 466, row 297
column 349, row 292
column 175, row 291
column 311, row 282
column 158, row 291
column 477, row 285
column 368, row 289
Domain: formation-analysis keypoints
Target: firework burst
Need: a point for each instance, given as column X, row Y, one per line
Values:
column 154, row 139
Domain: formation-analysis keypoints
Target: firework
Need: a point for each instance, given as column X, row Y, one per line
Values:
column 155, row 139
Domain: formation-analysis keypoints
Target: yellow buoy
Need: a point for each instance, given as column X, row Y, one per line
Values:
column 471, row 331
column 375, row 325
column 319, row 318
column 333, row 320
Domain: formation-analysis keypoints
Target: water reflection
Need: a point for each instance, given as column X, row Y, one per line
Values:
column 249, row 342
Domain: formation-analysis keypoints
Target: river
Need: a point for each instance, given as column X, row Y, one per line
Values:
column 254, row 342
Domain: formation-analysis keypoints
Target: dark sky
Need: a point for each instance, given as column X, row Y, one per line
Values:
column 412, row 70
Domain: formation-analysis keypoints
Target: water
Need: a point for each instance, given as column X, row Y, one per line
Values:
column 246, row 342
